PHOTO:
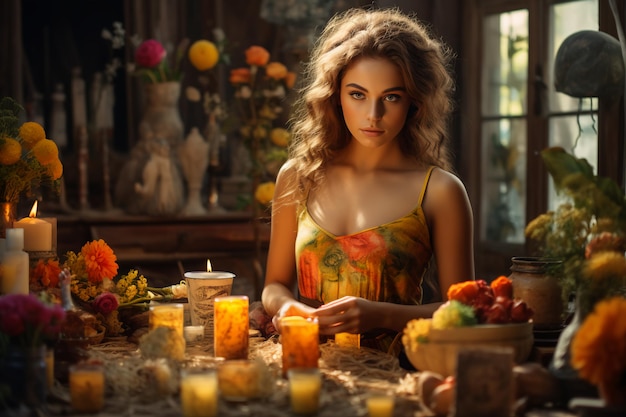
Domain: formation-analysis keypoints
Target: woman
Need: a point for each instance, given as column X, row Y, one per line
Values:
column 367, row 198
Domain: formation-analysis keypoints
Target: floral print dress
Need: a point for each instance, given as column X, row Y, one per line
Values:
column 382, row 263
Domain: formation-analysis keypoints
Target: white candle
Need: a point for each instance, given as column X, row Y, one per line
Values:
column 37, row 232
column 53, row 223
column 199, row 393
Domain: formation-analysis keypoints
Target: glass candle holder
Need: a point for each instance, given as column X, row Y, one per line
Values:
column 348, row 340
column 199, row 392
column 379, row 405
column 86, row 387
column 300, row 342
column 168, row 315
column 231, row 327
column 305, row 385
column 239, row 380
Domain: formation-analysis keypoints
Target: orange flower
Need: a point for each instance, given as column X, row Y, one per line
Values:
column 240, row 76
column 502, row 287
column 290, row 79
column 276, row 70
column 47, row 273
column 100, row 261
column 465, row 292
column 257, row 55
column 599, row 347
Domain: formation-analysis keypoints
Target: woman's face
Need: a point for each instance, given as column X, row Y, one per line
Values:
column 374, row 101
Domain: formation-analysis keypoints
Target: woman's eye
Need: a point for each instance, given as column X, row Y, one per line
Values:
column 392, row 97
column 357, row 95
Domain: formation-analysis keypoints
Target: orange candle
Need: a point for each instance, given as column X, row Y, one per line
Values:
column 300, row 342
column 231, row 327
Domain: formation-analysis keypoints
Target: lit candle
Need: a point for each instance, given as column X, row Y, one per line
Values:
column 199, row 393
column 37, row 232
column 300, row 342
column 231, row 327
column 87, row 387
column 239, row 379
column 380, row 406
column 348, row 340
column 168, row 315
column 53, row 223
column 202, row 289
column 305, row 385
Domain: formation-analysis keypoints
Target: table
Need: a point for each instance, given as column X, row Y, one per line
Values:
column 349, row 376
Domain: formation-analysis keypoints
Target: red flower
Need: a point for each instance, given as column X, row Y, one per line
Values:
column 105, row 303
column 28, row 321
column 150, row 53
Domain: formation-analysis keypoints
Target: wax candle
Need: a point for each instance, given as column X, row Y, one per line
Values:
column 86, row 387
column 199, row 392
column 202, row 289
column 53, row 224
column 168, row 315
column 50, row 367
column 380, row 406
column 348, row 340
column 300, row 342
column 193, row 334
column 305, row 385
column 37, row 232
column 231, row 327
column 239, row 379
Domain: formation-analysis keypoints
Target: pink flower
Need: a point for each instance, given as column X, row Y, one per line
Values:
column 150, row 53
column 28, row 321
column 105, row 303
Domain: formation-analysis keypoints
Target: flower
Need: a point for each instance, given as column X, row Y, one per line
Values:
column 260, row 94
column 590, row 220
column 152, row 63
column 27, row 158
column 96, row 287
column 29, row 321
column 599, row 347
column 46, row 273
column 203, row 54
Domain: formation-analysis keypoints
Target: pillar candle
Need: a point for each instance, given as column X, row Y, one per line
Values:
column 300, row 342
column 305, row 385
column 53, row 223
column 168, row 315
column 37, row 234
column 239, row 380
column 348, row 340
column 199, row 393
column 87, row 388
column 380, row 406
column 231, row 327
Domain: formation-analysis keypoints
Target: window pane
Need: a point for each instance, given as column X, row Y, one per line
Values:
column 505, row 63
column 503, row 200
column 568, row 18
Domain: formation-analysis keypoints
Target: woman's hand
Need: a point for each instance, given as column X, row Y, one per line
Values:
column 349, row 315
column 292, row 308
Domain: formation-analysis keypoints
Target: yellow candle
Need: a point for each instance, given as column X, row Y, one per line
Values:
column 87, row 388
column 239, row 379
column 348, row 340
column 37, row 234
column 300, row 342
column 231, row 327
column 305, row 385
column 380, row 406
column 198, row 393
column 168, row 315
column 50, row 367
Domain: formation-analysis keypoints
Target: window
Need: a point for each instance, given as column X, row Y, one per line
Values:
column 515, row 112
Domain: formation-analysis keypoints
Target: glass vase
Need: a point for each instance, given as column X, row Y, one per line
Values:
column 23, row 377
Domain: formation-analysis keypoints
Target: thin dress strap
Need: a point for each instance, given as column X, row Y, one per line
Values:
column 430, row 170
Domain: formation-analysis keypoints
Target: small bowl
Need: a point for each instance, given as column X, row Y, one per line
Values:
column 440, row 352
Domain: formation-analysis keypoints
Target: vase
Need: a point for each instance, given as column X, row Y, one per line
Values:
column 9, row 215
column 535, row 281
column 161, row 118
column 23, row 377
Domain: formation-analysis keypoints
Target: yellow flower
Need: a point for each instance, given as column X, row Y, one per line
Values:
column 416, row 332
column 31, row 133
column 46, row 151
column 280, row 137
column 203, row 55
column 265, row 192
column 606, row 265
column 10, row 151
column 599, row 347
column 55, row 169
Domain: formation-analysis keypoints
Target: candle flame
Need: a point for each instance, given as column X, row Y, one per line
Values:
column 208, row 266
column 33, row 211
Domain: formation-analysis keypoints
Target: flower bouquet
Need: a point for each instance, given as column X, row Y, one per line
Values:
column 152, row 63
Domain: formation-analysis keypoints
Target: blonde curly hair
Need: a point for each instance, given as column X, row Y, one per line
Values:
column 317, row 123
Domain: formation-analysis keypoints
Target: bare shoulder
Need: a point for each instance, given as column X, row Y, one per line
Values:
column 445, row 188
